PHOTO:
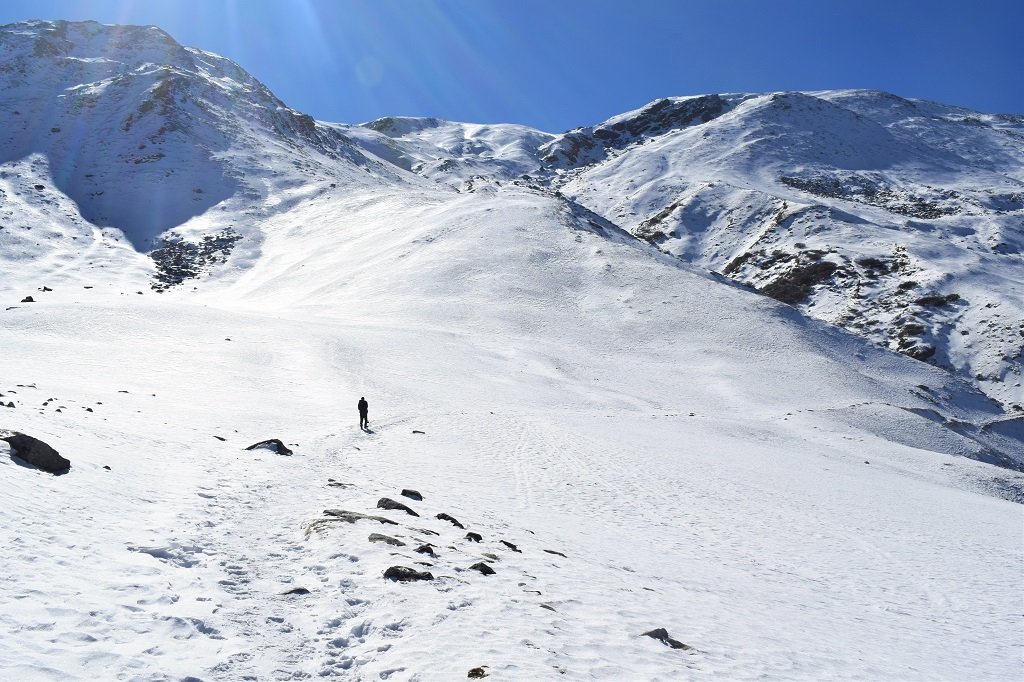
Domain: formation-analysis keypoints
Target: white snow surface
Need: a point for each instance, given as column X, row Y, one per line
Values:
column 665, row 448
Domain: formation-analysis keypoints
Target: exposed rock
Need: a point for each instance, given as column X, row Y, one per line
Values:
column 37, row 453
column 352, row 516
column 412, row 494
column 483, row 568
column 388, row 503
column 551, row 551
column 406, row 574
column 477, row 673
column 452, row 519
column 473, row 537
column 425, row 531
column 426, row 549
column 28, row 299
column 511, row 546
column 419, row 432
column 272, row 444
column 220, row 438
column 549, row 607
column 338, row 484
column 661, row 634
column 387, row 539
column 297, row 590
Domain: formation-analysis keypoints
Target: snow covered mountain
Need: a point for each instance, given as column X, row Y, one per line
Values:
column 631, row 441
column 899, row 220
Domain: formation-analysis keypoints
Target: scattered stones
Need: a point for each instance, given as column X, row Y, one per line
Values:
column 28, row 299
column 386, row 539
column 477, row 673
column 483, row 568
column 297, row 590
column 352, row 517
column 473, row 537
column 452, row 519
column 337, row 484
column 405, row 574
column 426, row 549
column 551, row 551
column 412, row 494
column 511, row 546
column 273, row 444
column 388, row 503
column 37, row 453
column 661, row 634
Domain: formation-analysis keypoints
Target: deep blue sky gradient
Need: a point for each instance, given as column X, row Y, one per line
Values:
column 558, row 64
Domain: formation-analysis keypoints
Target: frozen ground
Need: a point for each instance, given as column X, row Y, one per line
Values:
column 697, row 469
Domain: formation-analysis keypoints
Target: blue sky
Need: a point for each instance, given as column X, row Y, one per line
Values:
column 558, row 64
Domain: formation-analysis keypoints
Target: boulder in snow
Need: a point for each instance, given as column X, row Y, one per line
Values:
column 661, row 634
column 388, row 503
column 37, row 453
column 272, row 444
column 405, row 574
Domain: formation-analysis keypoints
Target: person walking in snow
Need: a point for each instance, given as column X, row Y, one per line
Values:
column 364, row 407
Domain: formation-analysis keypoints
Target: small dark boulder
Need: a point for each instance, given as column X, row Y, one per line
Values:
column 551, row 551
column 405, row 574
column 425, row 549
column 483, row 568
column 297, row 590
column 452, row 519
column 387, row 539
column 220, row 438
column 28, row 299
column 477, row 673
column 388, row 503
column 419, row 432
column 661, row 634
column 273, row 444
column 412, row 494
column 511, row 546
column 37, row 453
column 474, row 537
column 425, row 531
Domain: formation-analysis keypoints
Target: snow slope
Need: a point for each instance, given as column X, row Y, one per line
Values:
column 905, row 202
column 664, row 448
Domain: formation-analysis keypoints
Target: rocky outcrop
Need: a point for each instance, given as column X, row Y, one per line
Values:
column 37, row 453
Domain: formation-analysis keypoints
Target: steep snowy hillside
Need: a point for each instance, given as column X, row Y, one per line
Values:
column 899, row 220
column 121, row 127
column 635, row 445
column 587, row 458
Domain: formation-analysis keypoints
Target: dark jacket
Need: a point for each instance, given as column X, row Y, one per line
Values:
column 363, row 406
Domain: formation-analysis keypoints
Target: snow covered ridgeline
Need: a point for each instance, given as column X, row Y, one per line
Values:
column 781, row 496
column 787, row 192
column 791, row 192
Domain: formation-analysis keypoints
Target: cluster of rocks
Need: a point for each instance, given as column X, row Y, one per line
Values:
column 178, row 260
